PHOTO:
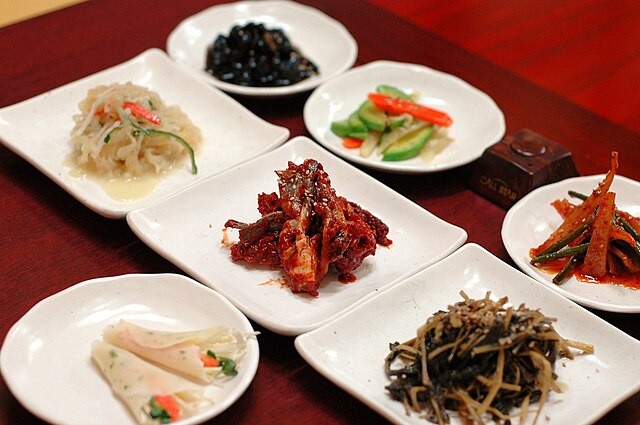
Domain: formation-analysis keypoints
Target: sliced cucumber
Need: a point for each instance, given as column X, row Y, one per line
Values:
column 372, row 117
column 396, row 121
column 409, row 145
column 356, row 124
column 393, row 92
column 390, row 137
column 341, row 128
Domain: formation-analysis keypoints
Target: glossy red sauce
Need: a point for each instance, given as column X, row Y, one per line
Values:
column 628, row 280
column 347, row 278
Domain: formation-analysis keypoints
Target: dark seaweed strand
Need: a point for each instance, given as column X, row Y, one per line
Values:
column 475, row 332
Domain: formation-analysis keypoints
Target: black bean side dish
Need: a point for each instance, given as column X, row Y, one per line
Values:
column 255, row 56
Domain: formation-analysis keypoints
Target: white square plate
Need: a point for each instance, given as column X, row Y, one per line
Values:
column 350, row 351
column 319, row 37
column 478, row 122
column 39, row 129
column 187, row 229
column 46, row 357
column 532, row 219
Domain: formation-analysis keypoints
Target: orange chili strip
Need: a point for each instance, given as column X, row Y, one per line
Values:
column 580, row 213
column 141, row 112
column 397, row 105
column 595, row 262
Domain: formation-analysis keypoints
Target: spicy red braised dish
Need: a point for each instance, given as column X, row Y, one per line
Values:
column 307, row 227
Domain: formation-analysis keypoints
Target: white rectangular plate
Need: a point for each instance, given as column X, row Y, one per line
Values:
column 39, row 129
column 350, row 351
column 187, row 229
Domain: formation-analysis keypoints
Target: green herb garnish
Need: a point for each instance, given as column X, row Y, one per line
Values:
column 158, row 412
column 228, row 365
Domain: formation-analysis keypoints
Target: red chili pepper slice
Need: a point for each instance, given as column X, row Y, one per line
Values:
column 141, row 112
column 401, row 106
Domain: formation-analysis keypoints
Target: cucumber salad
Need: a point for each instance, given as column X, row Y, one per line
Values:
column 395, row 127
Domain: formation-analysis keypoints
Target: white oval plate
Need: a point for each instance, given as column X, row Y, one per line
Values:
column 419, row 238
column 39, row 129
column 46, row 356
column 320, row 38
column 532, row 219
column 477, row 121
column 350, row 350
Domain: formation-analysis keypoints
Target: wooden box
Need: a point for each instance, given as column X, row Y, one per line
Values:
column 517, row 164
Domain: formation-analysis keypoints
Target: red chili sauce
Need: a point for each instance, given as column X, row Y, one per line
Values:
column 628, row 280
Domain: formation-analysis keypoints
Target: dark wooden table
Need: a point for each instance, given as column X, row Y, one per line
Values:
column 49, row 241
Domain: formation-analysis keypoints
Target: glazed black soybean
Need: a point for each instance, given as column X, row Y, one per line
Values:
column 252, row 55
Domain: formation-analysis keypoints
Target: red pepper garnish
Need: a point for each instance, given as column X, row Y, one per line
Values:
column 141, row 112
column 169, row 405
column 209, row 361
column 351, row 143
column 401, row 106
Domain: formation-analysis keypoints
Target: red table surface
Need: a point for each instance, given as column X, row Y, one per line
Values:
column 49, row 241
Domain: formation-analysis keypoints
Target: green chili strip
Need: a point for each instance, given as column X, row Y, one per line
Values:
column 565, row 240
column 543, row 258
column 108, row 136
column 567, row 270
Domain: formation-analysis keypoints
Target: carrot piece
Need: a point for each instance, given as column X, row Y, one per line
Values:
column 595, row 261
column 141, row 112
column 397, row 105
column 209, row 361
column 169, row 405
column 581, row 212
column 351, row 143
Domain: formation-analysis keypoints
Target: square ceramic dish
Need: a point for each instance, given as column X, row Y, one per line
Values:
column 350, row 350
column 39, row 129
column 188, row 230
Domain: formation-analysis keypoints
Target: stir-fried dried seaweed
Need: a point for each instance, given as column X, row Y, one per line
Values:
column 479, row 357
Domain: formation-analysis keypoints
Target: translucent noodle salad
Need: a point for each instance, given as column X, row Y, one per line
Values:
column 126, row 131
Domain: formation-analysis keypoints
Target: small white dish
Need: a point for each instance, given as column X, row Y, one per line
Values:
column 532, row 219
column 187, row 229
column 320, row 38
column 477, row 121
column 350, row 350
column 39, row 129
column 46, row 356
